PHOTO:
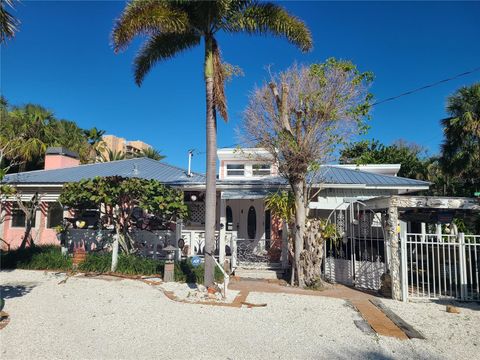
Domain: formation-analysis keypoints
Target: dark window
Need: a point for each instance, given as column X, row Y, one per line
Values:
column 19, row 219
column 55, row 215
column 268, row 225
column 229, row 219
column 252, row 223
column 235, row 169
column 261, row 169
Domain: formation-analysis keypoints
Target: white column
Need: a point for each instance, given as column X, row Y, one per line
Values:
column 223, row 227
column 178, row 235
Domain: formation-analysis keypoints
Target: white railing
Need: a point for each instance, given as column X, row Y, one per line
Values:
column 439, row 266
column 195, row 241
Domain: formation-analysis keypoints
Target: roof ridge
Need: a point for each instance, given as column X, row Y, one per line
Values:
column 172, row 166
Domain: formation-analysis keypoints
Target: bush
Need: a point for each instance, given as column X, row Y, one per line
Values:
column 45, row 257
column 186, row 272
column 49, row 257
column 127, row 264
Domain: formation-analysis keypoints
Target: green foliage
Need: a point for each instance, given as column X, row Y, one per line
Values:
column 186, row 272
column 281, row 204
column 127, row 264
column 27, row 131
column 8, row 22
column 46, row 257
column 460, row 158
column 150, row 195
column 412, row 157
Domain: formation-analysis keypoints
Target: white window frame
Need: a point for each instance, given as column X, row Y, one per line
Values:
column 263, row 169
column 235, row 169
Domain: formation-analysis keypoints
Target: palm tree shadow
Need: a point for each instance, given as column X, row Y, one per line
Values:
column 10, row 291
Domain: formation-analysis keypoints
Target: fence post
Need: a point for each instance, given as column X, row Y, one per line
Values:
column 233, row 247
column 463, row 266
column 403, row 257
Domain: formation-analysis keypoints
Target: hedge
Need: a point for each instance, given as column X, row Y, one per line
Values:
column 50, row 258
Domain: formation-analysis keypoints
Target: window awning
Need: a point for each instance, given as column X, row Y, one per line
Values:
column 245, row 194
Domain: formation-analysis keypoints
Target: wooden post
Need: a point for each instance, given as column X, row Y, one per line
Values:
column 392, row 238
column 223, row 228
column 284, row 255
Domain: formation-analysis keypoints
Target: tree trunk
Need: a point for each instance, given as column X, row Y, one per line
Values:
column 28, row 230
column 299, row 231
column 312, row 256
column 211, row 195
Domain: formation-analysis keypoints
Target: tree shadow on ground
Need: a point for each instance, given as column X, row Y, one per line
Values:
column 472, row 305
column 10, row 291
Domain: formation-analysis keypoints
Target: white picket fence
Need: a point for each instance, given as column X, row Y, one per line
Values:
column 438, row 266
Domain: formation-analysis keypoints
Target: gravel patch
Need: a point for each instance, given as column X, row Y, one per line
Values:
column 90, row 318
column 454, row 336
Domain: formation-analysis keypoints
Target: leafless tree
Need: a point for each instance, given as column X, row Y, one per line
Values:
column 300, row 117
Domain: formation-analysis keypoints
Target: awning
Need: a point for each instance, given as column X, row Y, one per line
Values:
column 245, row 194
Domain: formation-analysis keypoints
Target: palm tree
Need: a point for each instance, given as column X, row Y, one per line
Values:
column 8, row 23
column 175, row 26
column 94, row 135
column 28, row 132
column 111, row 155
column 151, row 153
column 461, row 146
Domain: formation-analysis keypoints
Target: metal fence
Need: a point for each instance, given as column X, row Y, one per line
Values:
column 440, row 266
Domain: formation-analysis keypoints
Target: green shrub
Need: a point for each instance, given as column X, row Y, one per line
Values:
column 186, row 272
column 127, row 264
column 44, row 257
column 50, row 258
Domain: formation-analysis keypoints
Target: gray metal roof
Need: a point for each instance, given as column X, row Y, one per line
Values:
column 333, row 175
column 168, row 174
column 139, row 167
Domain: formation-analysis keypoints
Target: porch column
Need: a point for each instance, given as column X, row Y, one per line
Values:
column 391, row 232
column 223, row 227
column 178, row 236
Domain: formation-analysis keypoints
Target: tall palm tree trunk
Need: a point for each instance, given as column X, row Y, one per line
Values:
column 210, row 196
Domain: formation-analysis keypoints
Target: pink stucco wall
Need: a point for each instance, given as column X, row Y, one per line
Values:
column 54, row 161
column 13, row 236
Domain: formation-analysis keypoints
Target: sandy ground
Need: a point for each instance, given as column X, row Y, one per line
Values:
column 88, row 318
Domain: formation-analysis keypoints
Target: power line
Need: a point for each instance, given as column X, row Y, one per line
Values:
column 427, row 86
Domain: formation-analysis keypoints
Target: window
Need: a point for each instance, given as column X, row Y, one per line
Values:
column 19, row 219
column 229, row 219
column 261, row 169
column 252, row 223
column 54, row 215
column 235, row 169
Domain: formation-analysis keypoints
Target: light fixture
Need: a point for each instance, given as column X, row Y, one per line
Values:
column 193, row 197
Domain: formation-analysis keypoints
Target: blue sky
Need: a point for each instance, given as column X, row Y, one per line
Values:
column 62, row 59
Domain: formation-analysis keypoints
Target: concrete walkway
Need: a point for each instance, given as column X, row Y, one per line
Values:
column 379, row 322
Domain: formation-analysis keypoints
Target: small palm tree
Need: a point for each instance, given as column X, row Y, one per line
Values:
column 111, row 155
column 172, row 27
column 151, row 153
column 8, row 23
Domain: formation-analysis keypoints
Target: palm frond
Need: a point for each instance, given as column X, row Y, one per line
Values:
column 8, row 23
column 268, row 18
column 161, row 47
column 147, row 17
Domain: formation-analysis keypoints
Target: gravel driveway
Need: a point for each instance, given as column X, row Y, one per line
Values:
column 88, row 318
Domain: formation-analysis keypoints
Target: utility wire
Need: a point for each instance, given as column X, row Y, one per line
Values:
column 427, row 86
column 196, row 152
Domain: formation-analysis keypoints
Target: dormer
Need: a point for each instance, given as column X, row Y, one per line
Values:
column 248, row 164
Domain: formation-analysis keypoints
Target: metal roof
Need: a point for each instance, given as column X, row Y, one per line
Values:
column 168, row 174
column 139, row 167
column 340, row 175
column 333, row 175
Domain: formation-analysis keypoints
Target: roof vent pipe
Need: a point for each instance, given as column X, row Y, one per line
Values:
column 190, row 155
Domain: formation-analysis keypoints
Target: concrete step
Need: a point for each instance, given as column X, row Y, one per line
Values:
column 259, row 273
